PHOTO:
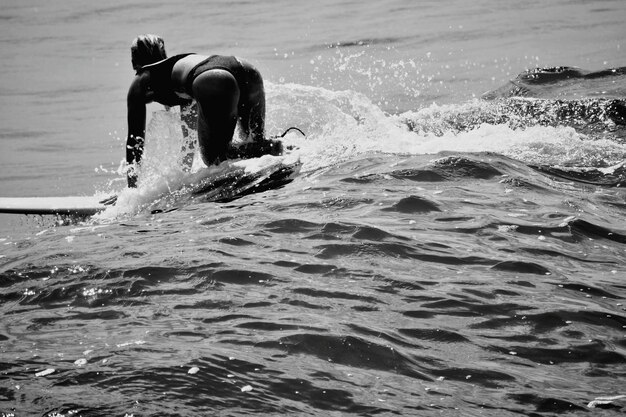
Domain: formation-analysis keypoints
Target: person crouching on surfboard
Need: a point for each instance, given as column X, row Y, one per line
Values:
column 226, row 89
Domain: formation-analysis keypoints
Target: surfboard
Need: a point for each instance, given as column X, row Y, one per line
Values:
column 75, row 205
column 232, row 184
column 238, row 183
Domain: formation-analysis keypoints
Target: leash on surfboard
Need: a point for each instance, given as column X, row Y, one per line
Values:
column 287, row 131
column 274, row 139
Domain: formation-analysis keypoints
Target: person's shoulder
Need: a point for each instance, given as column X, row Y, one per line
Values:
column 139, row 86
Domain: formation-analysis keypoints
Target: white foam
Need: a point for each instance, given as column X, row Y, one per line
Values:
column 479, row 126
column 343, row 124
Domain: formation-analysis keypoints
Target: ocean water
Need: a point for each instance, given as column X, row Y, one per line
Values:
column 454, row 243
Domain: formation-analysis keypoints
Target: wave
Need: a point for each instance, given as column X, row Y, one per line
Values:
column 582, row 139
column 564, row 82
column 378, row 285
column 343, row 125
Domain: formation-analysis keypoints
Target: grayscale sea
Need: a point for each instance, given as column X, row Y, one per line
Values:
column 453, row 245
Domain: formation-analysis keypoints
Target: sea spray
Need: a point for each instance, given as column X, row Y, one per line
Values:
column 342, row 125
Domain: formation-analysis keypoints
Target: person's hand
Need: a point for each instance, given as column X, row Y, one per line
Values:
column 275, row 147
column 132, row 179
column 256, row 149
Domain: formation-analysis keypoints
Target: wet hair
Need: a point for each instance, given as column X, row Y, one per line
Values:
column 147, row 49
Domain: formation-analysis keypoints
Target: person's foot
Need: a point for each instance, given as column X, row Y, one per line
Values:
column 256, row 149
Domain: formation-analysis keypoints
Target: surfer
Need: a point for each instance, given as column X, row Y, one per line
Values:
column 225, row 90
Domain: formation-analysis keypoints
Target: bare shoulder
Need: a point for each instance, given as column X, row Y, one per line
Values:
column 139, row 87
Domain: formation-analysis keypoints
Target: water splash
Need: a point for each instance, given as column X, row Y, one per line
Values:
column 343, row 125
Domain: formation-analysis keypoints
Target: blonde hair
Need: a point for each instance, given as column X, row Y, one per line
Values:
column 147, row 49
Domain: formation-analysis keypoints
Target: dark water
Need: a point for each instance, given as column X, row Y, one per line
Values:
column 464, row 258
column 466, row 284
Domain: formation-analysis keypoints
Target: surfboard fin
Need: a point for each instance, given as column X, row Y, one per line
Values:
column 109, row 201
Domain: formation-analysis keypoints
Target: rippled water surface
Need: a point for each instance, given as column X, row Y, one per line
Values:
column 442, row 250
column 386, row 286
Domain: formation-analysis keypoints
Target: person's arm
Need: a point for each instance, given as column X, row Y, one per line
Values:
column 190, row 119
column 136, row 104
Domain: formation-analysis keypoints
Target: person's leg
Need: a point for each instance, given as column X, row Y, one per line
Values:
column 252, row 118
column 252, row 106
column 217, row 95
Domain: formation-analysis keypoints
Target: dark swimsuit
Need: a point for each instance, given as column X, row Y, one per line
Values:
column 227, row 63
column 161, row 81
column 161, row 77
